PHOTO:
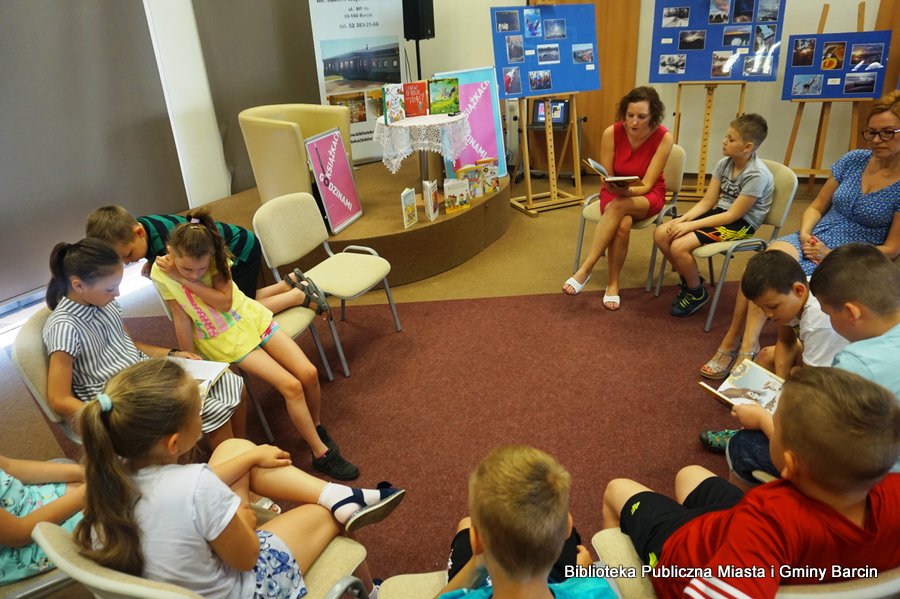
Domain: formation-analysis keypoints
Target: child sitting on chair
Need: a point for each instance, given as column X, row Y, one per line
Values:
column 734, row 206
column 213, row 317
column 834, row 515
column 519, row 501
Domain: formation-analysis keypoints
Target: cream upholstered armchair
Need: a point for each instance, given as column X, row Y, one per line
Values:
column 274, row 137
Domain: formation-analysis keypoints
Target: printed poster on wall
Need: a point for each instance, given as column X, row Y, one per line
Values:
column 545, row 50
column 334, row 179
column 711, row 40
column 480, row 102
column 832, row 66
column 359, row 47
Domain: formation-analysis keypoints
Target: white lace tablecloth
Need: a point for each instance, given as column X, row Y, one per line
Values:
column 432, row 132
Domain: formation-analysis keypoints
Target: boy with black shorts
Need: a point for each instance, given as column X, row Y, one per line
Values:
column 834, row 515
column 734, row 206
column 517, row 533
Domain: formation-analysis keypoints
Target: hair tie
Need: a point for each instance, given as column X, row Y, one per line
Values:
column 104, row 401
column 195, row 221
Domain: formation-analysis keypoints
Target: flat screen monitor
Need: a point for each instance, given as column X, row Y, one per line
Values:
column 559, row 112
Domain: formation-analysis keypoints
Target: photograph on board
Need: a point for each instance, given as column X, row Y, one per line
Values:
column 833, row 56
column 860, row 83
column 508, row 21
column 765, row 39
column 692, row 39
column 737, row 36
column 807, row 85
column 722, row 61
column 582, row 53
column 719, row 11
column 515, row 48
column 866, row 54
column 548, row 53
column 533, row 22
column 803, row 52
column 539, row 80
column 554, row 29
column 767, row 10
column 742, row 11
column 672, row 64
column 676, row 16
column 512, row 80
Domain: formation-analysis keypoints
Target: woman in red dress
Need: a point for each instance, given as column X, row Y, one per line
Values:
column 636, row 144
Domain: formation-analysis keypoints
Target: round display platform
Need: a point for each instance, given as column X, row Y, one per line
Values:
column 425, row 249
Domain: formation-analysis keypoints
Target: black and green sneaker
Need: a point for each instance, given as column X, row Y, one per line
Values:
column 689, row 301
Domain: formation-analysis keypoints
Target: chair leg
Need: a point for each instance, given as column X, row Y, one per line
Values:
column 712, row 274
column 578, row 244
column 715, row 301
column 662, row 273
column 318, row 342
column 343, row 310
column 390, row 298
column 340, row 348
column 651, row 270
column 259, row 411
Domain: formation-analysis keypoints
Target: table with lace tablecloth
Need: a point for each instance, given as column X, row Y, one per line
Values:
column 429, row 133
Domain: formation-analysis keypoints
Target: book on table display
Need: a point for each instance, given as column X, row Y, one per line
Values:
column 431, row 199
column 443, row 94
column 749, row 383
column 205, row 372
column 489, row 175
column 408, row 202
column 393, row 102
column 456, row 195
column 473, row 173
column 415, row 98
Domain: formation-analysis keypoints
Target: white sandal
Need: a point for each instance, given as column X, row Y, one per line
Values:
column 571, row 282
column 611, row 299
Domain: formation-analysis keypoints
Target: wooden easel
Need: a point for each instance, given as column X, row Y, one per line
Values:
column 556, row 198
column 710, row 86
column 824, row 116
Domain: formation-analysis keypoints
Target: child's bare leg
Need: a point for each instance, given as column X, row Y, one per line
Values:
column 221, row 434
column 263, row 365
column 683, row 261
column 687, row 479
column 756, row 320
column 731, row 342
column 306, row 530
column 616, row 254
column 662, row 241
column 617, row 492
column 282, row 295
column 766, row 358
column 287, row 353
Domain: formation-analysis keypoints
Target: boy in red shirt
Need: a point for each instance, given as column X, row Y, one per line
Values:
column 834, row 515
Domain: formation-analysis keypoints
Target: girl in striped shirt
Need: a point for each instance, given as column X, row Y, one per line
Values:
column 87, row 342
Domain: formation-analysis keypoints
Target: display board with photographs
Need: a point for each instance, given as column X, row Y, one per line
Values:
column 710, row 40
column 544, row 50
column 832, row 66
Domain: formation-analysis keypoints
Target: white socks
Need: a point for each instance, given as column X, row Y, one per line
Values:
column 344, row 501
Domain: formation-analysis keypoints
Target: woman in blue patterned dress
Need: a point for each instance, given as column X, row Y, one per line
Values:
column 860, row 202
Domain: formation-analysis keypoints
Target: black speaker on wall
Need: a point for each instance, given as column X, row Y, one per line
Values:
column 418, row 19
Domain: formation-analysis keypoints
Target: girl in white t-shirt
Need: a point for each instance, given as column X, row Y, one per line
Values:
column 147, row 515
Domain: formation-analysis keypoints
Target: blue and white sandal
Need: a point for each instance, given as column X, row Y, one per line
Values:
column 370, row 514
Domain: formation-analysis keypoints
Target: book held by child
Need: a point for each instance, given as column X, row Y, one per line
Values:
column 205, row 372
column 749, row 383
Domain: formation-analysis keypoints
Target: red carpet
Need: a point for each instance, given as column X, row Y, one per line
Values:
column 608, row 394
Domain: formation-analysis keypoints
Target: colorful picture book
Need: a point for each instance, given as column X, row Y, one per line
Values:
column 408, row 201
column 394, row 106
column 456, row 195
column 749, row 383
column 444, row 95
column 431, row 198
column 473, row 173
column 415, row 98
column 489, row 175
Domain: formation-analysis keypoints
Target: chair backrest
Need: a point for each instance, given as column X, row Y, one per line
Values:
column 30, row 359
column 782, row 197
column 674, row 170
column 103, row 582
column 274, row 138
column 288, row 228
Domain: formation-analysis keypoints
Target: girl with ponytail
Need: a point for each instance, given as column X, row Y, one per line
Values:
column 191, row 525
column 213, row 317
column 86, row 339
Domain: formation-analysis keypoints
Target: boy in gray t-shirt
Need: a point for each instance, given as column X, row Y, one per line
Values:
column 734, row 206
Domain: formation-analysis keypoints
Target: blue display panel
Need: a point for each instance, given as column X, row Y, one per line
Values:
column 545, row 50
column 709, row 40
column 832, row 66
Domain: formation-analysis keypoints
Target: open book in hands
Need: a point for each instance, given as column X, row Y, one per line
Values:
column 206, row 373
column 599, row 169
column 749, row 383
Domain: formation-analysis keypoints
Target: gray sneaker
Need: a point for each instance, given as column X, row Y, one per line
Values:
column 334, row 465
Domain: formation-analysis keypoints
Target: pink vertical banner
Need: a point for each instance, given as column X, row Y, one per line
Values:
column 476, row 102
column 334, row 179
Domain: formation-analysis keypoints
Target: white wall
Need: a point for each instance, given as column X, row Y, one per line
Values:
column 801, row 16
column 466, row 43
